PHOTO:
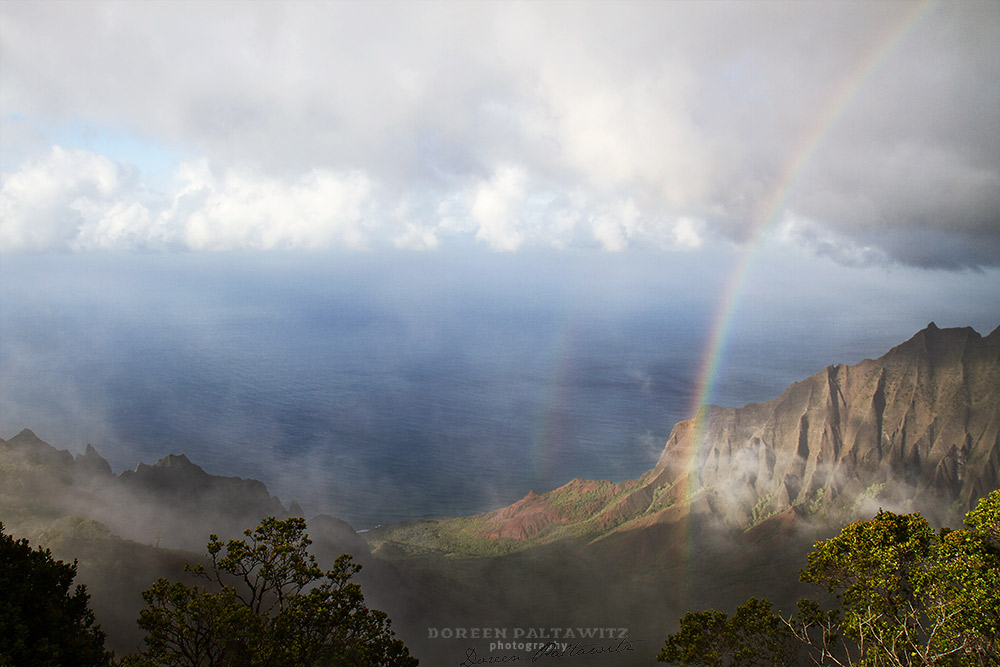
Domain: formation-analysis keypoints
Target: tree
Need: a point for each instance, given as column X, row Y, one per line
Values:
column 41, row 621
column 754, row 636
column 267, row 602
column 907, row 596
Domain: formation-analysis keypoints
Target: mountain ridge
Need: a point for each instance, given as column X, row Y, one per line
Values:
column 126, row 530
column 709, row 526
column 917, row 428
column 730, row 508
column 162, row 498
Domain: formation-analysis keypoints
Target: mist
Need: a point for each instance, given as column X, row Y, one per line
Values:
column 388, row 386
column 402, row 261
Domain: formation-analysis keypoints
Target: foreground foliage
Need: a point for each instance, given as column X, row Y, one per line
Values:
column 267, row 602
column 41, row 621
column 907, row 597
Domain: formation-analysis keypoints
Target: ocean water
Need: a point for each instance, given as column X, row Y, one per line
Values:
column 384, row 388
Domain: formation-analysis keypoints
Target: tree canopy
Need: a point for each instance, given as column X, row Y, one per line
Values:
column 905, row 596
column 41, row 621
column 266, row 602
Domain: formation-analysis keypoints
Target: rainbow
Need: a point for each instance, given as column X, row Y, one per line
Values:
column 543, row 450
column 772, row 205
column 767, row 214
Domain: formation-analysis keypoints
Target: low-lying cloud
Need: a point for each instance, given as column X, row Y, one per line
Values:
column 75, row 200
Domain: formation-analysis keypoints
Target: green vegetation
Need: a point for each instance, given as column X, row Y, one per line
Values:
column 462, row 537
column 573, row 504
column 586, row 510
column 816, row 504
column 470, row 537
column 754, row 635
column 762, row 510
column 267, row 603
column 661, row 498
column 906, row 596
column 41, row 621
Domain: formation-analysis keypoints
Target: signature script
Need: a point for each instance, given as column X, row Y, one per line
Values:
column 554, row 650
column 472, row 658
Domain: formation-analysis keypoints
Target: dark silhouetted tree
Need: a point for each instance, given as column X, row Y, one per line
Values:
column 266, row 602
column 41, row 621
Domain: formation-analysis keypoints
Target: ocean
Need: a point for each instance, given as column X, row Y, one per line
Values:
column 388, row 387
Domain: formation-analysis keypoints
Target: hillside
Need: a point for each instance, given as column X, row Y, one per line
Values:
column 172, row 503
column 916, row 429
column 126, row 530
column 736, row 499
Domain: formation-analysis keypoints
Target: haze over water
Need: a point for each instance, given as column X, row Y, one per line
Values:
column 390, row 387
column 408, row 259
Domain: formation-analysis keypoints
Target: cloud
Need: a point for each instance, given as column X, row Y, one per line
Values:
column 417, row 237
column 242, row 209
column 52, row 203
column 613, row 228
column 801, row 232
column 521, row 125
column 688, row 234
column 494, row 208
column 74, row 200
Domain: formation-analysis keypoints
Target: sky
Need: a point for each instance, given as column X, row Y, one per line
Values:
column 865, row 132
column 771, row 186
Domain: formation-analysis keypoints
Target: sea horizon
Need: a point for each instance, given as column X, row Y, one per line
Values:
column 394, row 387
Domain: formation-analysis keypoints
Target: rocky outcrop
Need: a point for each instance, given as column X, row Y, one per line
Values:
column 173, row 502
column 916, row 429
column 28, row 450
column 921, row 423
column 92, row 464
column 332, row 536
column 174, row 481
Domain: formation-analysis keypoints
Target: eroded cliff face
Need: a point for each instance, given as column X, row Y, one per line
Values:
column 917, row 429
column 921, row 423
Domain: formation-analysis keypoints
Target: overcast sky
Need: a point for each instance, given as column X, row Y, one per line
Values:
column 867, row 132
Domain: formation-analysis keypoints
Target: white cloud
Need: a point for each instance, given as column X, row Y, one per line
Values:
column 116, row 226
column 691, row 111
column 632, row 132
column 496, row 205
column 80, row 201
column 50, row 202
column 688, row 234
column 243, row 209
column 563, row 215
column 801, row 232
column 417, row 237
column 616, row 226
column 74, row 200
